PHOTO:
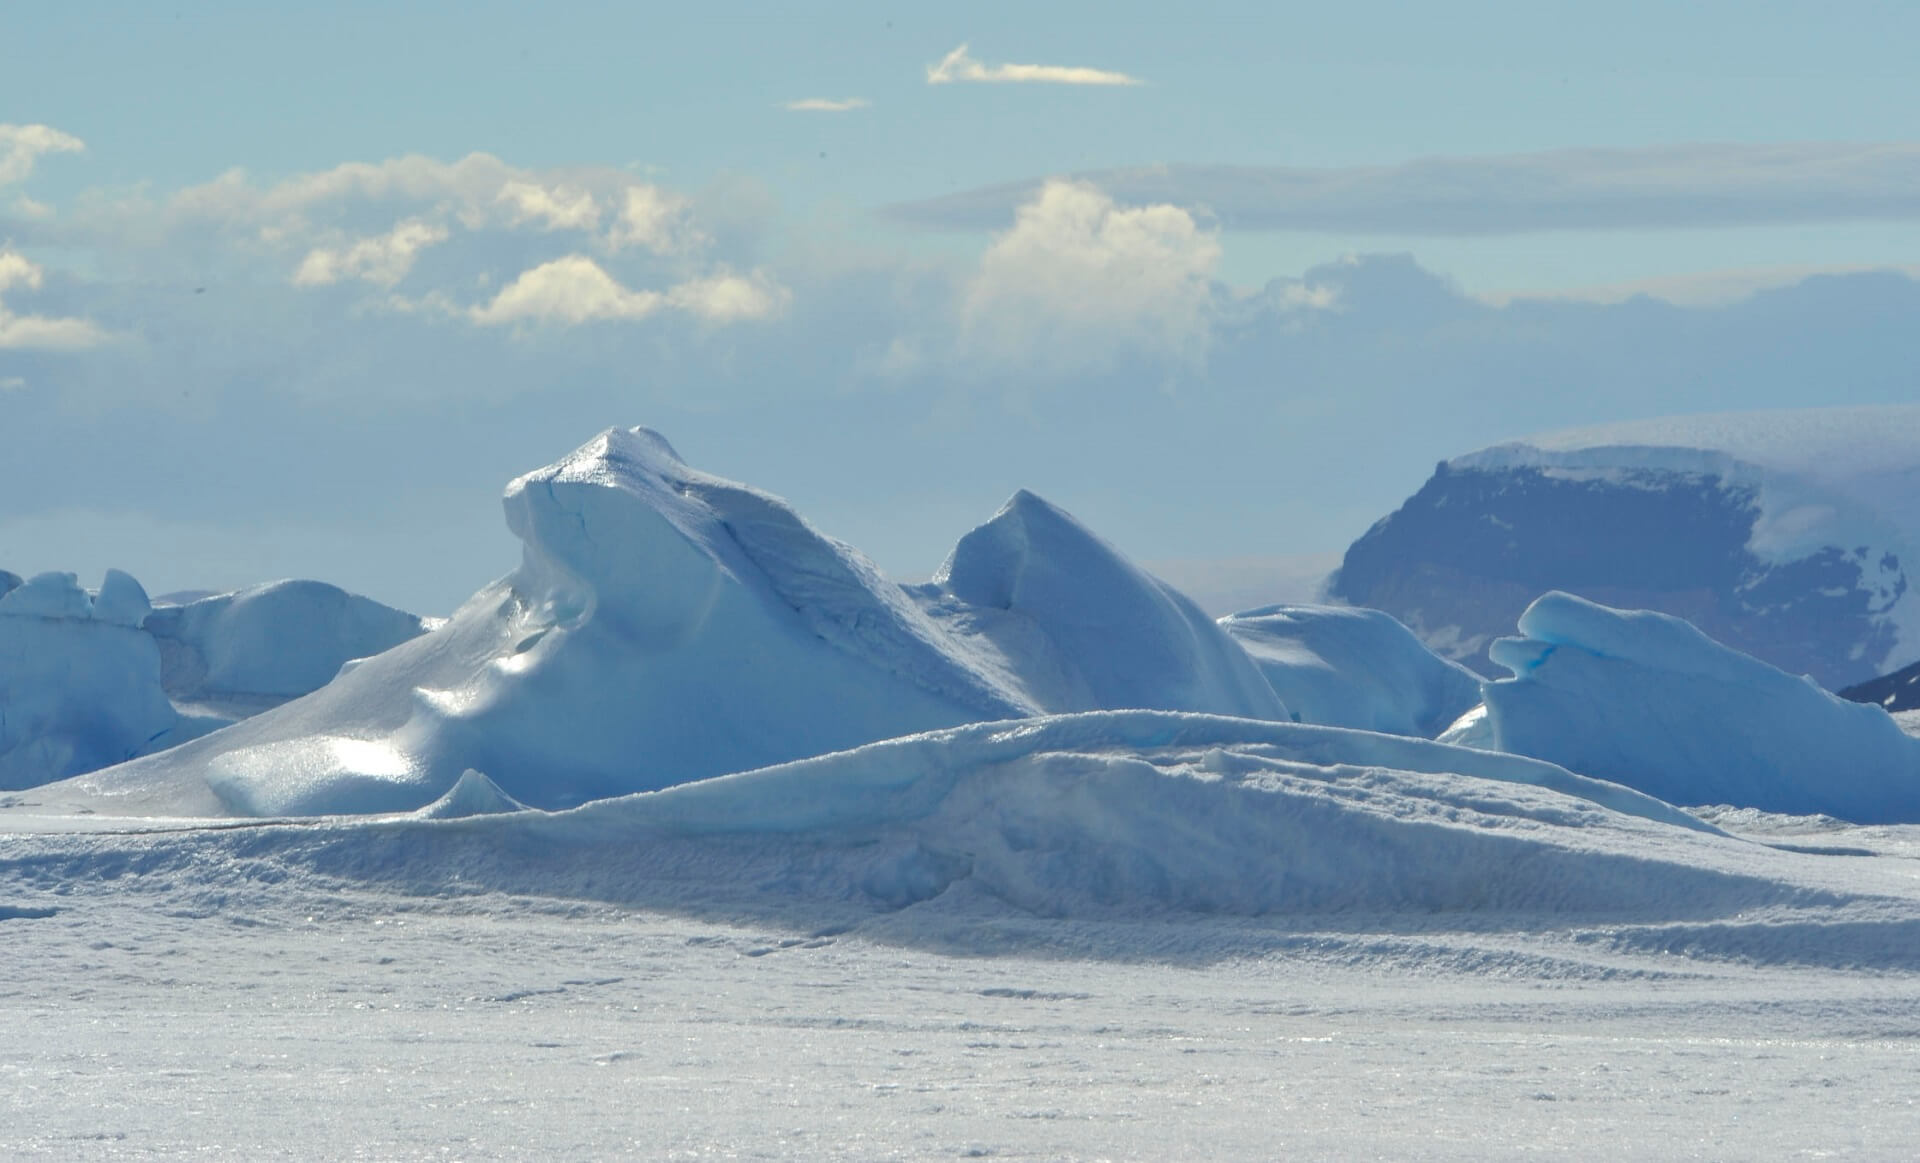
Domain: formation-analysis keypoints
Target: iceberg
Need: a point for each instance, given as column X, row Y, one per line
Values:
column 236, row 654
column 665, row 626
column 1072, row 623
column 79, row 682
column 1344, row 667
column 1649, row 701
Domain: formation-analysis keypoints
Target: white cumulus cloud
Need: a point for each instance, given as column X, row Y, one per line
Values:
column 382, row 260
column 655, row 219
column 22, row 145
column 959, row 65
column 568, row 290
column 574, row 290
column 555, row 207
column 1080, row 280
column 728, row 298
column 38, row 332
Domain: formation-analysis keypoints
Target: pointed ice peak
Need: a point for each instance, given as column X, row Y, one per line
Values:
column 1028, row 540
column 473, row 794
column 122, row 601
column 1128, row 639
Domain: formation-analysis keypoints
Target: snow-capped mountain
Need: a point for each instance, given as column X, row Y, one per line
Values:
column 1899, row 691
column 1788, row 535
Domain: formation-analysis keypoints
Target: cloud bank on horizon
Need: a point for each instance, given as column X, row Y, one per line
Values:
column 1669, row 186
column 362, row 342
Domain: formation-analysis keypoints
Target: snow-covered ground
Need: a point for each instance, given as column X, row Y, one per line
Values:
column 187, row 996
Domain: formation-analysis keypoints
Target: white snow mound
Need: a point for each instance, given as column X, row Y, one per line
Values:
column 1647, row 700
column 1345, row 667
column 1114, row 814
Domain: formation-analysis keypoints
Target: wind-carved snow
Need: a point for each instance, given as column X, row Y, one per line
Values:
column 1343, row 667
column 1788, row 534
column 1079, row 627
column 666, row 626
column 1649, row 701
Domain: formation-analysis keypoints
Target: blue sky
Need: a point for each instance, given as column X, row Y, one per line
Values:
column 839, row 305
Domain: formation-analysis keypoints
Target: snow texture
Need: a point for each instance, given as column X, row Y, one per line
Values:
column 665, row 626
column 1344, row 667
column 1647, row 700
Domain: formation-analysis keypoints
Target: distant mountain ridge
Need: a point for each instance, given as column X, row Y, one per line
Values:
column 1788, row 535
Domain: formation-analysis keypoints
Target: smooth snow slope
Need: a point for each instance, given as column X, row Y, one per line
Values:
column 1788, row 534
column 1124, row 813
column 1342, row 667
column 1649, row 701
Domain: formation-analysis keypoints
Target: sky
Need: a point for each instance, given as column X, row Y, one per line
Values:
column 293, row 292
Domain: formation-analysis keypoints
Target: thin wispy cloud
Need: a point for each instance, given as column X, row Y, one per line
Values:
column 1659, row 187
column 826, row 104
column 960, row 66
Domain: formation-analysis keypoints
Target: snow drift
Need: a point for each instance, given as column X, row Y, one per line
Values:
column 1647, row 700
column 1343, row 667
column 665, row 626
column 1114, row 814
column 1788, row 535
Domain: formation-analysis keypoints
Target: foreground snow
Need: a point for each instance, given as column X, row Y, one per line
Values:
column 210, row 993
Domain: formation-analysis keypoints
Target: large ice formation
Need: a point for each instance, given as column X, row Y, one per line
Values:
column 240, row 653
column 1788, row 535
column 1647, row 700
column 1068, row 620
column 666, row 625
column 1345, row 667
column 79, row 682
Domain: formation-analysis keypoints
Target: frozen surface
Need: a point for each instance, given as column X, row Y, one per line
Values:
column 79, row 683
column 1345, row 667
column 1135, row 935
column 1649, row 701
